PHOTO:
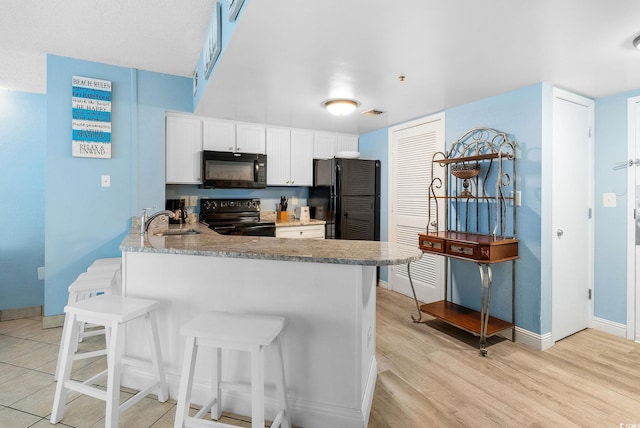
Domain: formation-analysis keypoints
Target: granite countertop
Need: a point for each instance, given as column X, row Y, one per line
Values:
column 291, row 220
column 210, row 243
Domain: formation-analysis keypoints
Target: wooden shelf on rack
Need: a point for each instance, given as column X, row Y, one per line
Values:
column 472, row 158
column 463, row 318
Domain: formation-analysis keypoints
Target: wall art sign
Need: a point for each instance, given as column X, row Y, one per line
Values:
column 91, row 118
column 234, row 9
column 213, row 41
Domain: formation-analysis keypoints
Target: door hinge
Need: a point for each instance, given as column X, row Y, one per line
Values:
column 590, row 213
column 589, row 294
column 589, row 132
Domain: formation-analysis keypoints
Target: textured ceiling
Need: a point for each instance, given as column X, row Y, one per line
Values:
column 156, row 35
column 287, row 56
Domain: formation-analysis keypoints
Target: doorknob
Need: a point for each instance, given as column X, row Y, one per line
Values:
column 559, row 232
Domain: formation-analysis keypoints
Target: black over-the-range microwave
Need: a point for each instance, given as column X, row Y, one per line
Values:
column 234, row 170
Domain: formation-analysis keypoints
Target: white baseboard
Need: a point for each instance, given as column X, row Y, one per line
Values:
column 19, row 313
column 610, row 327
column 533, row 340
column 53, row 321
column 383, row 284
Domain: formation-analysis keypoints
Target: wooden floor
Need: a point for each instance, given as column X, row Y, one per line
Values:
column 430, row 375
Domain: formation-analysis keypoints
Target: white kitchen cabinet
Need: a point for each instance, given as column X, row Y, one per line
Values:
column 218, row 135
column 183, row 149
column 227, row 136
column 301, row 157
column 289, row 157
column 278, row 157
column 250, row 138
column 347, row 143
column 324, row 145
column 301, row 232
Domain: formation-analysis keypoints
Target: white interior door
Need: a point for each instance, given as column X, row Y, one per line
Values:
column 572, row 248
column 411, row 148
column 633, row 227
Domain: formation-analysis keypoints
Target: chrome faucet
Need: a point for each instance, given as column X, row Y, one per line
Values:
column 146, row 222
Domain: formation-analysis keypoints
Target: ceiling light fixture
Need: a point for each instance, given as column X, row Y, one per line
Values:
column 340, row 107
column 636, row 42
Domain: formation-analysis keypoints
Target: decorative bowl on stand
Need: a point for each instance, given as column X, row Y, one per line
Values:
column 465, row 171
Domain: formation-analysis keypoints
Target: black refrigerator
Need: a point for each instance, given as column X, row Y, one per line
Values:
column 346, row 194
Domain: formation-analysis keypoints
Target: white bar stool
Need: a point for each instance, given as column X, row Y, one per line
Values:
column 251, row 333
column 89, row 284
column 113, row 312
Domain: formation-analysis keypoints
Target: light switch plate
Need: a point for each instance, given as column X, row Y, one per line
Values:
column 106, row 181
column 609, row 200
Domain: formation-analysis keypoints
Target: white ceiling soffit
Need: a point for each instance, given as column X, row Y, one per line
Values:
column 287, row 56
column 156, row 35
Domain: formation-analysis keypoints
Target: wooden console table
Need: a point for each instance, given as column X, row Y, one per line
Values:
column 485, row 250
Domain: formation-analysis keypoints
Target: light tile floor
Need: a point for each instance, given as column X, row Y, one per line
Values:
column 28, row 356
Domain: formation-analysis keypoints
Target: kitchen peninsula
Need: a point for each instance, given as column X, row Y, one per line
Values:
column 324, row 288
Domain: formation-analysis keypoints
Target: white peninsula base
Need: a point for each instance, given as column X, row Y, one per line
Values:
column 329, row 342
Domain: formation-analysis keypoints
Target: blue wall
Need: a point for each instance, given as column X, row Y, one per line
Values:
column 610, row 276
column 22, row 178
column 518, row 113
column 83, row 220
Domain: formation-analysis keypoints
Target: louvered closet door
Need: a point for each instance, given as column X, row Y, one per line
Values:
column 412, row 148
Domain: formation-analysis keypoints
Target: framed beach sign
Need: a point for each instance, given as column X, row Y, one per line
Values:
column 90, row 117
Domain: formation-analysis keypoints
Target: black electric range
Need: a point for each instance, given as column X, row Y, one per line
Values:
column 235, row 217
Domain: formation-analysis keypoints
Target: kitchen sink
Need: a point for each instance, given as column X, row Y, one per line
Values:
column 178, row 232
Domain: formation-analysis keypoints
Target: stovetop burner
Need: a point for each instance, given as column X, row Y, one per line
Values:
column 235, row 217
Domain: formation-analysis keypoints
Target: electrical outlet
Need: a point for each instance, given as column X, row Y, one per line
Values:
column 106, row 181
column 41, row 273
column 193, row 201
column 294, row 200
column 517, row 200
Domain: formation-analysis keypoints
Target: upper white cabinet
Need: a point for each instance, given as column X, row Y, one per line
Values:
column 183, row 149
column 347, row 143
column 289, row 157
column 250, row 138
column 218, row 135
column 324, row 145
column 227, row 136
column 278, row 157
column 301, row 157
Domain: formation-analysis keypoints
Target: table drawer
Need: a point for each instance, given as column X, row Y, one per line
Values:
column 462, row 249
column 431, row 244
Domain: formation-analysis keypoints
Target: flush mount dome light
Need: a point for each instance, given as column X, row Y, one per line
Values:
column 340, row 107
column 636, row 42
